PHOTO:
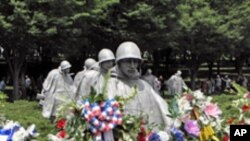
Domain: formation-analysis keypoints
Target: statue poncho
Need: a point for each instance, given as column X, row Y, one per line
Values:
column 58, row 89
column 146, row 101
column 79, row 77
column 176, row 85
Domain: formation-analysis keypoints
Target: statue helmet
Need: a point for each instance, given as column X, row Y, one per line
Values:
column 105, row 55
column 126, row 50
column 89, row 62
column 65, row 65
column 178, row 72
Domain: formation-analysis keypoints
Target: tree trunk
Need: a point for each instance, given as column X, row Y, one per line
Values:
column 194, row 73
column 194, row 70
column 22, row 85
column 15, row 62
column 15, row 78
column 156, row 56
column 218, row 67
column 210, row 69
column 239, row 64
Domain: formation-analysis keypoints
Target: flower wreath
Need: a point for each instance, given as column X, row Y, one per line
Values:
column 95, row 115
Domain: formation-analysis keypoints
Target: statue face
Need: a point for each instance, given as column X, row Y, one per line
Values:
column 107, row 65
column 129, row 67
column 66, row 70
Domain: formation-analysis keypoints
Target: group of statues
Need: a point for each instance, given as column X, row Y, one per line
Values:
column 125, row 69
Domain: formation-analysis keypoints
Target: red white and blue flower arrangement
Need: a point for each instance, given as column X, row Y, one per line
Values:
column 96, row 115
column 89, row 119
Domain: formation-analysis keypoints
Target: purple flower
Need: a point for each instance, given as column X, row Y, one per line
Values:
column 154, row 137
column 192, row 128
column 178, row 135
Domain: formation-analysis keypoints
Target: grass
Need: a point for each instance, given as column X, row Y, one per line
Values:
column 26, row 113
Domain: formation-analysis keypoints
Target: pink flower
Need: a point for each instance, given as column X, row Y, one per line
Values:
column 189, row 97
column 212, row 110
column 247, row 95
column 192, row 127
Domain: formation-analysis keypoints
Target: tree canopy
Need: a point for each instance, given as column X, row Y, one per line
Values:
column 198, row 30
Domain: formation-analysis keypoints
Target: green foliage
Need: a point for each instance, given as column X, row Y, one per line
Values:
column 224, row 101
column 129, row 129
column 173, row 107
column 76, row 127
column 3, row 98
column 239, row 89
column 231, row 104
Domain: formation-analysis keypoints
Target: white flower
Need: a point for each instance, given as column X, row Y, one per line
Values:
column 209, row 99
column 227, row 129
column 163, row 136
column 247, row 120
column 177, row 123
column 54, row 138
column 204, row 120
column 241, row 116
column 218, row 126
column 198, row 94
column 184, row 105
column 20, row 135
column 31, row 130
column 10, row 125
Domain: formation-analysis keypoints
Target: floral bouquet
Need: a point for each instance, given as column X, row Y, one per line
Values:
column 196, row 117
column 241, row 108
column 13, row 131
column 89, row 119
column 96, row 116
column 145, row 135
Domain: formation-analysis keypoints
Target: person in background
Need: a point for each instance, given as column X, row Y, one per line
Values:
column 227, row 82
column 2, row 84
column 28, row 87
column 205, row 86
column 162, row 85
column 218, row 84
column 245, row 82
column 58, row 89
column 213, row 85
